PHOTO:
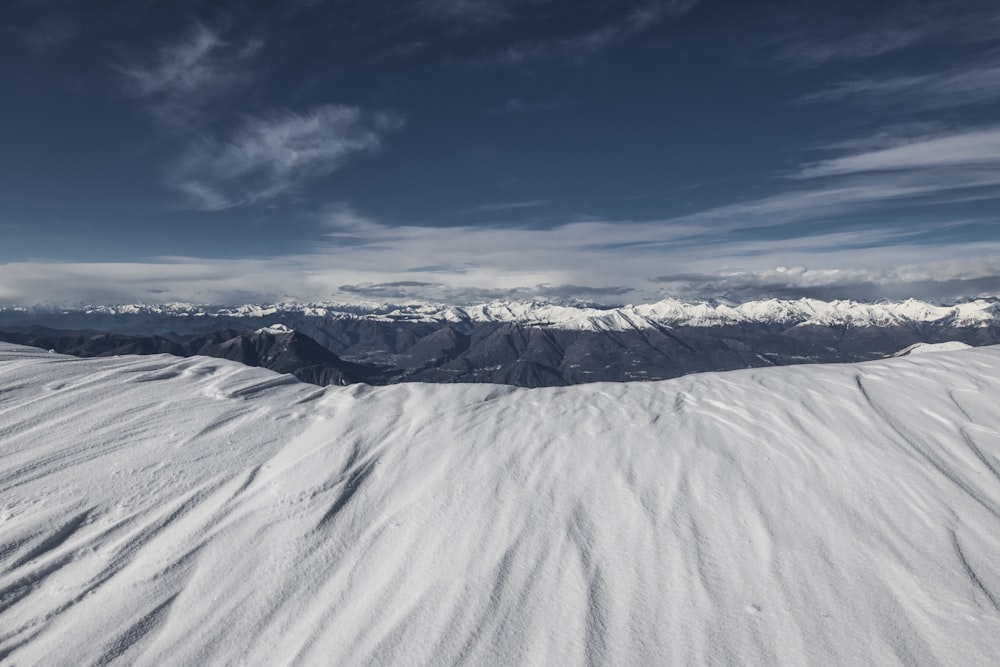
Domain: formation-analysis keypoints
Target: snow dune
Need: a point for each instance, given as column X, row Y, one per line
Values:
column 164, row 511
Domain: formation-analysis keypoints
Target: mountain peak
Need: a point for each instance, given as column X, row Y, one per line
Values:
column 275, row 329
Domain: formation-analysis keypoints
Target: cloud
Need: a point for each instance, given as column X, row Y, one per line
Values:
column 475, row 11
column 901, row 169
column 496, row 207
column 265, row 156
column 857, row 45
column 519, row 105
column 947, row 272
column 875, row 183
column 392, row 290
column 936, row 281
column 582, row 46
column 181, row 76
column 359, row 259
column 969, row 149
column 823, row 33
column 410, row 290
column 270, row 156
column 955, row 87
column 796, row 211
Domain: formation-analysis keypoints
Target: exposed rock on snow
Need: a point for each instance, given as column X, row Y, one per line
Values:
column 164, row 511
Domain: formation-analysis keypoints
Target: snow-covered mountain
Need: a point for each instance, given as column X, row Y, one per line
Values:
column 526, row 344
column 668, row 312
column 164, row 511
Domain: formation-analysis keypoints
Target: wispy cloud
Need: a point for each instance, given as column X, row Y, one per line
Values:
column 875, row 182
column 270, row 156
column 969, row 149
column 582, row 46
column 515, row 105
column 496, row 207
column 182, row 75
column 831, row 32
column 865, row 43
column 797, row 208
column 476, row 11
column 871, row 177
column 954, row 87
column 358, row 258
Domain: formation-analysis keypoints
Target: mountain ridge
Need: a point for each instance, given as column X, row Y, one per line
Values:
column 532, row 343
column 668, row 312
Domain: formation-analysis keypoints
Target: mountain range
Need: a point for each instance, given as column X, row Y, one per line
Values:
column 524, row 344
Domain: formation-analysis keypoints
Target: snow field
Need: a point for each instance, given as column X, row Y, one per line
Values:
column 163, row 511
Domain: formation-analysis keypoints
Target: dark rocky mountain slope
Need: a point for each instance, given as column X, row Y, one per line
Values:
column 278, row 350
column 338, row 350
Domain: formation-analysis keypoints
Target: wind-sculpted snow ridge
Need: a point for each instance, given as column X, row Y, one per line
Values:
column 669, row 312
column 157, row 511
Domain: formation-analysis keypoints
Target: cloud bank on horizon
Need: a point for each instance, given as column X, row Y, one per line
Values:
column 466, row 150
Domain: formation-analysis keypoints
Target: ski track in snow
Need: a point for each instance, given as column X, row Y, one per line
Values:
column 164, row 511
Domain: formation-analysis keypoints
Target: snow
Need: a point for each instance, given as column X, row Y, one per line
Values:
column 275, row 329
column 164, row 511
column 672, row 312
column 924, row 348
column 668, row 312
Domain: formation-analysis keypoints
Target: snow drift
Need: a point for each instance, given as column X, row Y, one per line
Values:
column 160, row 511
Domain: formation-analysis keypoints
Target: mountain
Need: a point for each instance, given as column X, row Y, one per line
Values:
column 166, row 511
column 668, row 312
column 540, row 344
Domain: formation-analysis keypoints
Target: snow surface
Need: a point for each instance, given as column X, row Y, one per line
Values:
column 164, row 511
column 669, row 312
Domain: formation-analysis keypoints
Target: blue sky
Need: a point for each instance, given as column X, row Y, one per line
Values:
column 466, row 150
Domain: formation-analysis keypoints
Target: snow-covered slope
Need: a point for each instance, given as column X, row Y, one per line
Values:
column 669, row 312
column 158, row 511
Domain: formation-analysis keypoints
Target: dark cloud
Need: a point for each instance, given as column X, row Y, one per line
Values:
column 397, row 289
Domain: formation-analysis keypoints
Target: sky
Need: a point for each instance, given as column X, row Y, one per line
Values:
column 460, row 151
